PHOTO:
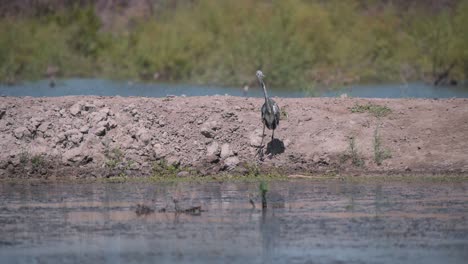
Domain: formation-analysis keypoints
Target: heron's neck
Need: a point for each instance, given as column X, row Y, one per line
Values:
column 265, row 94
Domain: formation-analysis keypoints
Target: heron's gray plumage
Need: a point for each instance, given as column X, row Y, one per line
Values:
column 270, row 109
column 270, row 116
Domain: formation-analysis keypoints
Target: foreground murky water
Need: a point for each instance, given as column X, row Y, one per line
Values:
column 306, row 222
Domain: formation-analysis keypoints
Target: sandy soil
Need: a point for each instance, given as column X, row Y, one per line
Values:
column 109, row 136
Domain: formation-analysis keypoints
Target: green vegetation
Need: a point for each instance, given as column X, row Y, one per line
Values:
column 376, row 110
column 284, row 114
column 252, row 169
column 380, row 153
column 163, row 169
column 115, row 161
column 353, row 154
column 24, row 158
column 37, row 162
column 113, row 158
column 263, row 189
column 297, row 43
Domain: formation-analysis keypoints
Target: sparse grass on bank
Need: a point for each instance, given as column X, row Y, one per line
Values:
column 407, row 177
column 380, row 153
column 353, row 154
column 297, row 43
column 374, row 109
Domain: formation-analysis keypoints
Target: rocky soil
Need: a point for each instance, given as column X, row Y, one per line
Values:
column 115, row 136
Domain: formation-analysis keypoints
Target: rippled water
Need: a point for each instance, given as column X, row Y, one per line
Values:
column 111, row 88
column 306, row 222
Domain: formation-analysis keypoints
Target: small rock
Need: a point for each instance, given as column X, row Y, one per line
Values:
column 205, row 131
column 104, row 124
column 255, row 138
column 130, row 107
column 126, row 142
column 73, row 155
column 158, row 151
column 215, row 125
column 213, row 149
column 173, row 160
column 36, row 122
column 99, row 103
column 134, row 112
column 105, row 111
column 228, row 114
column 212, row 159
column 208, row 129
column 60, row 138
column 44, row 127
column 324, row 160
column 100, row 131
column 21, row 132
column 231, row 162
column 226, row 151
column 183, row 174
column 71, row 132
column 234, row 128
column 74, row 136
column 316, row 158
column 112, row 123
column 89, row 107
column 84, row 129
column 2, row 113
column 76, row 109
column 98, row 117
column 143, row 135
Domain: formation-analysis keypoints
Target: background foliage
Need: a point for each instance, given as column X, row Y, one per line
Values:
column 298, row 43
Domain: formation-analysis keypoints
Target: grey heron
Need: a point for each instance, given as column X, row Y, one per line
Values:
column 270, row 109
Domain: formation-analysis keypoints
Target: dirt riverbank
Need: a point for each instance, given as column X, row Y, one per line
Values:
column 98, row 137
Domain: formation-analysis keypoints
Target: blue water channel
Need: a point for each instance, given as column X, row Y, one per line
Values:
column 102, row 87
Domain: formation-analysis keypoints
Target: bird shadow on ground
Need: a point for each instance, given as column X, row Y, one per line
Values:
column 275, row 147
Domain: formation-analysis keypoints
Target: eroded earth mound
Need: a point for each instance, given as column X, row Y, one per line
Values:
column 81, row 136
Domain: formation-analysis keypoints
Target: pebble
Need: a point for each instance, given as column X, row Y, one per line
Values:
column 226, row 151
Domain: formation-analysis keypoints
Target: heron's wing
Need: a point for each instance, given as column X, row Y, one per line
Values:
column 277, row 112
column 264, row 110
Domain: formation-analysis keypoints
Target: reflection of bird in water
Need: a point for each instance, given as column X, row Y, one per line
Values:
column 245, row 90
column 270, row 109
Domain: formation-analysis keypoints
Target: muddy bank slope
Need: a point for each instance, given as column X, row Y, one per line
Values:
column 109, row 136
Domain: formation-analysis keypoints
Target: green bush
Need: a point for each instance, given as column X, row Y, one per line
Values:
column 296, row 43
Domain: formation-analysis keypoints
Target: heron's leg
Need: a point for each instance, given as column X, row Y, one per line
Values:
column 260, row 148
column 272, row 135
column 263, row 136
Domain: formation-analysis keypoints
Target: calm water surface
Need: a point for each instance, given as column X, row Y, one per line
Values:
column 306, row 222
column 111, row 88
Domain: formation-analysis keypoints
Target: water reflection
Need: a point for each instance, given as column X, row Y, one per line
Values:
column 323, row 222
